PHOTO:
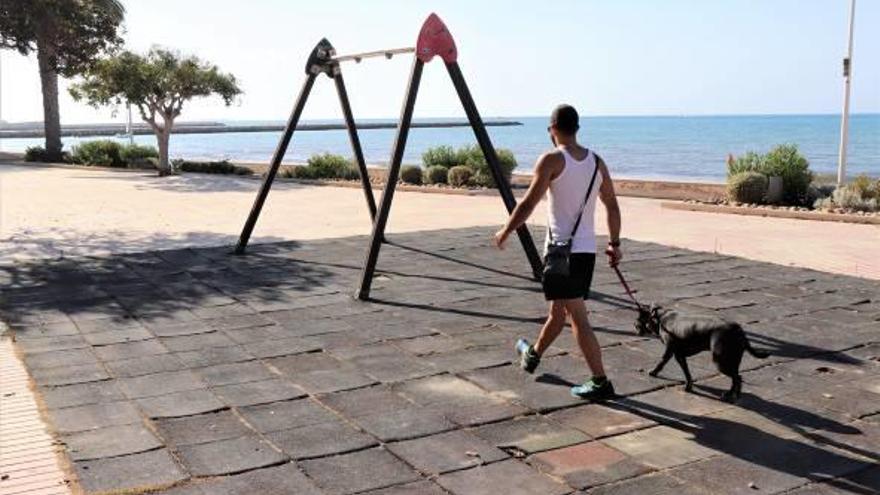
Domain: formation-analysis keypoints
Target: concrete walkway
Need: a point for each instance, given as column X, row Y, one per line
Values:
column 47, row 212
column 196, row 372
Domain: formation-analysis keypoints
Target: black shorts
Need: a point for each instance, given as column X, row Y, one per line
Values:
column 577, row 284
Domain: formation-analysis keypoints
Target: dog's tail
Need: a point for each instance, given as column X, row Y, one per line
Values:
column 755, row 352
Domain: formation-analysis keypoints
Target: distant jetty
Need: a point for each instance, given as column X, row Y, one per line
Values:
column 35, row 130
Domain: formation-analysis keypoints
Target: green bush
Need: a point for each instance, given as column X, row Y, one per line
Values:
column 867, row 188
column 441, row 156
column 750, row 162
column 102, row 153
column 747, row 187
column 460, row 176
column 786, row 161
column 473, row 158
column 436, row 174
column 411, row 174
column 135, row 153
column 849, row 197
column 218, row 167
column 330, row 166
column 38, row 154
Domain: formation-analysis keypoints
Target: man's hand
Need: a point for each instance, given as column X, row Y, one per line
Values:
column 614, row 255
column 500, row 238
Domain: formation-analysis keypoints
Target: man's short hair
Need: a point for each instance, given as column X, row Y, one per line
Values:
column 565, row 119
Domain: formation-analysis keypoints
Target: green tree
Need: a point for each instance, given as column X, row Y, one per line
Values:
column 158, row 84
column 67, row 35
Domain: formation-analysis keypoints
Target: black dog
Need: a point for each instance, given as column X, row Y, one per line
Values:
column 689, row 335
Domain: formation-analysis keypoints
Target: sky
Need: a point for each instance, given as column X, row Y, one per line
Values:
column 520, row 58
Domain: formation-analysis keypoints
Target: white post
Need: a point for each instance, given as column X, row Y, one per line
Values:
column 844, row 119
column 128, row 128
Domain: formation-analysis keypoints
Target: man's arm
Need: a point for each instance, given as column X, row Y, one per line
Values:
column 612, row 209
column 547, row 168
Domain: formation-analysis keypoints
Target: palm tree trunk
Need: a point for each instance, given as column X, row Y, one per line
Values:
column 51, row 115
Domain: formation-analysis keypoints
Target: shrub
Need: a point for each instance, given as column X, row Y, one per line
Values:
column 330, row 166
column 747, row 187
column 411, row 174
column 38, row 154
column 441, row 156
column 850, row 197
column 460, row 176
column 472, row 157
column 866, row 188
column 750, row 162
column 436, row 174
column 218, row 167
column 103, row 153
column 136, row 153
column 786, row 161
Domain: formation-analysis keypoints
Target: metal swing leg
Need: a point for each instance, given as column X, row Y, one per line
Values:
column 378, row 234
column 280, row 150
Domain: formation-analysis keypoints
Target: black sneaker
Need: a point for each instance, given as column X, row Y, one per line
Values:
column 594, row 390
column 528, row 358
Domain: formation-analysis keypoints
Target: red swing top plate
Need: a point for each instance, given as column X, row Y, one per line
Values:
column 435, row 39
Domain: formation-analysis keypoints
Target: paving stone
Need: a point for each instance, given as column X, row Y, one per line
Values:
column 112, row 441
column 256, row 335
column 364, row 470
column 46, row 344
column 401, row 424
column 81, row 394
column 179, row 329
column 459, row 401
column 69, row 375
column 319, row 373
column 452, row 451
column 129, row 473
column 655, row 484
column 470, row 359
column 53, row 359
column 430, row 344
column 587, row 464
column 284, row 347
column 660, row 447
column 417, row 488
column 599, row 421
column 180, row 404
column 365, row 401
column 508, row 477
column 320, row 439
column 161, row 363
column 547, row 391
column 286, row 415
column 261, row 392
column 214, row 356
column 229, row 374
column 130, row 350
column 42, row 331
column 285, row 479
column 228, row 456
column 224, row 311
column 201, row 428
column 732, row 475
column 185, row 343
column 529, row 435
column 118, row 336
column 160, row 384
column 93, row 416
column 239, row 322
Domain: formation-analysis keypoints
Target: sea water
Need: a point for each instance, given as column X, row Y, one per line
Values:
column 692, row 148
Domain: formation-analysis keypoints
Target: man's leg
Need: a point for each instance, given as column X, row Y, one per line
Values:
column 598, row 387
column 552, row 327
column 530, row 355
column 586, row 338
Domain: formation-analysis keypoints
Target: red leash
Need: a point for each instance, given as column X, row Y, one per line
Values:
column 629, row 291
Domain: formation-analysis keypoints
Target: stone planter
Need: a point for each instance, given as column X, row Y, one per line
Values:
column 774, row 190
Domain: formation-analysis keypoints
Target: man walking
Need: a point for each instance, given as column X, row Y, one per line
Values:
column 574, row 177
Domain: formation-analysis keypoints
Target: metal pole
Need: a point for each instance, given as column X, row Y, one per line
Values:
column 355, row 143
column 501, row 181
column 276, row 163
column 844, row 119
column 393, row 173
column 128, row 127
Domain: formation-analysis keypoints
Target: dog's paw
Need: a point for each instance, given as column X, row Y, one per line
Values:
column 729, row 397
column 653, row 373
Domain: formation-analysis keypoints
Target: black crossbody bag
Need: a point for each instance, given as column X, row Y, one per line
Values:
column 557, row 258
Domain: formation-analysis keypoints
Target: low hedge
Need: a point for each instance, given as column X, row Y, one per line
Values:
column 216, row 167
column 436, row 174
column 411, row 174
column 747, row 187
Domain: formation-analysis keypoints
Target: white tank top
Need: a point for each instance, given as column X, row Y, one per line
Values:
column 566, row 198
